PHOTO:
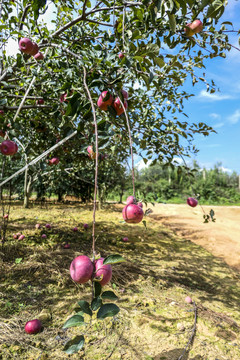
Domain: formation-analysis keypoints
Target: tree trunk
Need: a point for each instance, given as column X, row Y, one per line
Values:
column 120, row 197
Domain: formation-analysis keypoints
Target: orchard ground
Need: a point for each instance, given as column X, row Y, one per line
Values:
column 163, row 266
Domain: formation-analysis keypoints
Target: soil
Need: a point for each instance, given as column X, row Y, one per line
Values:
column 221, row 238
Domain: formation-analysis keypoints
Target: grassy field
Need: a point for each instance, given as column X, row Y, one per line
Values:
column 161, row 269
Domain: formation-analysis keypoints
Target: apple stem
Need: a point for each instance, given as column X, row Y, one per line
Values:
column 96, row 160
column 131, row 146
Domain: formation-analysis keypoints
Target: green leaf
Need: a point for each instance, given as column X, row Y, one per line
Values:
column 107, row 310
column 18, row 260
column 172, row 22
column 96, row 303
column 109, row 295
column 159, row 61
column 85, row 307
column 74, row 345
column 113, row 259
column 75, row 320
column 97, row 289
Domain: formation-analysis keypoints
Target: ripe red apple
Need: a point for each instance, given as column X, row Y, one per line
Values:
column 193, row 28
column 8, row 147
column 44, row 236
column 18, row 234
column 104, row 100
column 63, row 97
column 54, row 161
column 121, row 55
column 131, row 200
column 140, row 204
column 38, row 226
column 48, row 226
column 81, row 269
column 21, row 237
column 5, row 216
column 33, row 326
column 15, row 236
column 40, row 102
column 39, row 56
column 188, row 300
column 125, row 94
column 118, row 107
column 25, row 45
column 192, row 202
column 125, row 239
column 75, row 229
column 103, row 270
column 35, row 49
column 132, row 214
column 85, row 226
column 1, row 112
column 91, row 153
column 66, row 246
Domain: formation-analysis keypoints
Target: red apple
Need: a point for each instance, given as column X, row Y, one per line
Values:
column 103, row 270
column 33, row 326
column 39, row 56
column 54, row 161
column 21, row 237
column 48, row 226
column 1, row 112
column 85, row 226
column 15, row 236
column 38, row 226
column 125, row 239
column 40, row 102
column 104, row 100
column 75, row 229
column 63, row 97
column 66, row 246
column 18, row 234
column 8, row 147
column 25, row 45
column 188, row 300
column 193, row 28
column 81, row 269
column 121, row 55
column 5, row 216
column 44, row 236
column 91, row 153
column 125, row 94
column 192, row 202
column 35, row 49
column 132, row 214
column 118, row 107
column 131, row 200
column 140, row 204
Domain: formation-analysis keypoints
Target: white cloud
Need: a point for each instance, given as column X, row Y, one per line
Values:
column 218, row 125
column 225, row 169
column 213, row 97
column 235, row 117
column 215, row 116
column 141, row 164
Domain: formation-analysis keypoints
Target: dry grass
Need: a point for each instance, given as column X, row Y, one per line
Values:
column 154, row 321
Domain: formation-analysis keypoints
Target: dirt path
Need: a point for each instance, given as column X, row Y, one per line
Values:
column 221, row 238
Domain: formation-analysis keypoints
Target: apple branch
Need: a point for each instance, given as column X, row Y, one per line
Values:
column 192, row 333
column 96, row 160
column 131, row 146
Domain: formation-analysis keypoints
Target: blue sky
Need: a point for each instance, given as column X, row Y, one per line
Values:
column 220, row 110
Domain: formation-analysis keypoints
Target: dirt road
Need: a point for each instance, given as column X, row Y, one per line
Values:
column 221, row 238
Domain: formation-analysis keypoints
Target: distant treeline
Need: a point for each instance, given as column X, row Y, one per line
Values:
column 165, row 184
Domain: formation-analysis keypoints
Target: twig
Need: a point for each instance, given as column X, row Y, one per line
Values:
column 9, row 108
column 130, row 142
column 192, row 333
column 96, row 160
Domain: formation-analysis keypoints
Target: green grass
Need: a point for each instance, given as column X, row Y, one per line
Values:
column 161, row 269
